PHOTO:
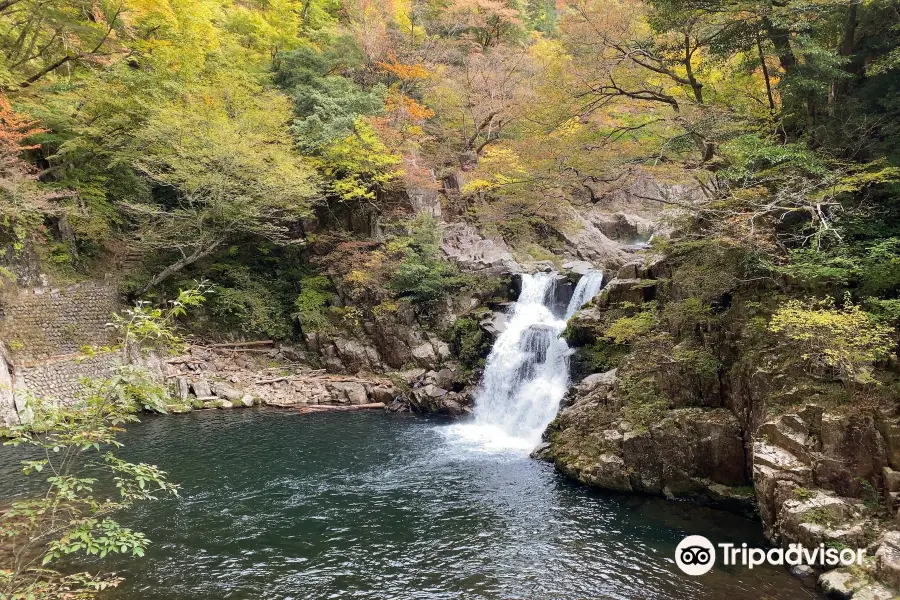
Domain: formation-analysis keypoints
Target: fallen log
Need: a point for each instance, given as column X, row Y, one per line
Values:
column 273, row 380
column 241, row 344
column 332, row 408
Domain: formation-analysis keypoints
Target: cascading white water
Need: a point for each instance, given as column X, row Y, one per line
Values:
column 527, row 371
column 588, row 286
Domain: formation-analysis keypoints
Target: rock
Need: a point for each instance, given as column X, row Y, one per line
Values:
column 247, row 400
column 9, row 412
column 802, row 571
column 463, row 244
column 494, row 323
column 588, row 243
column 540, row 451
column 823, row 517
column 578, row 267
column 852, row 451
column 227, row 392
column 354, row 355
column 424, row 199
column 839, row 583
column 182, row 388
column 383, row 394
column 683, row 454
column 618, row 291
column 348, row 392
column 424, row 355
column 592, row 382
column 788, row 432
column 411, row 376
column 889, row 427
column 621, row 226
column 445, row 378
column 201, row 388
column 443, row 350
column 433, row 391
column 874, row 591
column 887, row 559
column 223, row 404
column 891, row 479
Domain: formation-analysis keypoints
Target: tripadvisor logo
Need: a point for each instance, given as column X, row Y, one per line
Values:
column 696, row 555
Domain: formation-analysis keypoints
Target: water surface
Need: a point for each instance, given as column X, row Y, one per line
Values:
column 371, row 505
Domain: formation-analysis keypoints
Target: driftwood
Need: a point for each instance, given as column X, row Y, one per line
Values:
column 331, row 408
column 184, row 361
column 320, row 376
column 241, row 344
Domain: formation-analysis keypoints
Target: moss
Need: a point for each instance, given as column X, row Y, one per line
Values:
column 804, row 493
column 469, row 342
column 598, row 357
column 196, row 404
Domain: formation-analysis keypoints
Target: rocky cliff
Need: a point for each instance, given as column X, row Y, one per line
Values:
column 705, row 416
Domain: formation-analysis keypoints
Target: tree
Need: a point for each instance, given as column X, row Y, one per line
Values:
column 86, row 482
column 23, row 203
column 40, row 37
column 223, row 171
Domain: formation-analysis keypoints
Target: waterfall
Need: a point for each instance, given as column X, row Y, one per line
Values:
column 588, row 286
column 527, row 371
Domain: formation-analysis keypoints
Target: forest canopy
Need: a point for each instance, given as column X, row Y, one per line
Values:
column 225, row 139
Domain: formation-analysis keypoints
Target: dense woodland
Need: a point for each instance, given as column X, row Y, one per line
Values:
column 268, row 146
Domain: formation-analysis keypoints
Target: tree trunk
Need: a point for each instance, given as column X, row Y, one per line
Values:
column 765, row 71
column 178, row 265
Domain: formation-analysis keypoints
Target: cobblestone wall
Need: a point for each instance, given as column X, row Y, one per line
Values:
column 60, row 378
column 40, row 323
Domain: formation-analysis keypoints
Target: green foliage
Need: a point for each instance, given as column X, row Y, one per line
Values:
column 360, row 164
column 147, row 326
column 311, row 303
column 469, row 342
column 843, row 341
column 423, row 275
column 327, row 106
column 85, row 482
column 599, row 356
column 644, row 404
column 247, row 303
column 629, row 329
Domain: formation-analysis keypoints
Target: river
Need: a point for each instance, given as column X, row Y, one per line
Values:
column 275, row 504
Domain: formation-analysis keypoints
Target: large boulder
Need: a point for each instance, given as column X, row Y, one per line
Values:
column 223, row 390
column 689, row 452
column 463, row 244
column 587, row 242
column 840, row 583
column 9, row 416
column 347, row 392
column 887, row 559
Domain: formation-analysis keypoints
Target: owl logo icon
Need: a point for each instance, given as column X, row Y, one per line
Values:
column 695, row 555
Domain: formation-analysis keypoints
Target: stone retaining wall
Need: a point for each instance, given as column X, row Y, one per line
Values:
column 60, row 378
column 41, row 323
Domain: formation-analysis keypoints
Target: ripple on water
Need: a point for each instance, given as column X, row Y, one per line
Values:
column 375, row 506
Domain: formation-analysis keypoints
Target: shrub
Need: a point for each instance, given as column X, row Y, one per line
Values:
column 845, row 341
column 470, row 342
column 628, row 329
column 311, row 302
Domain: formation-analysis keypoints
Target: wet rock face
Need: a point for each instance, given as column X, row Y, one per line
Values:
column 691, row 452
column 436, row 392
